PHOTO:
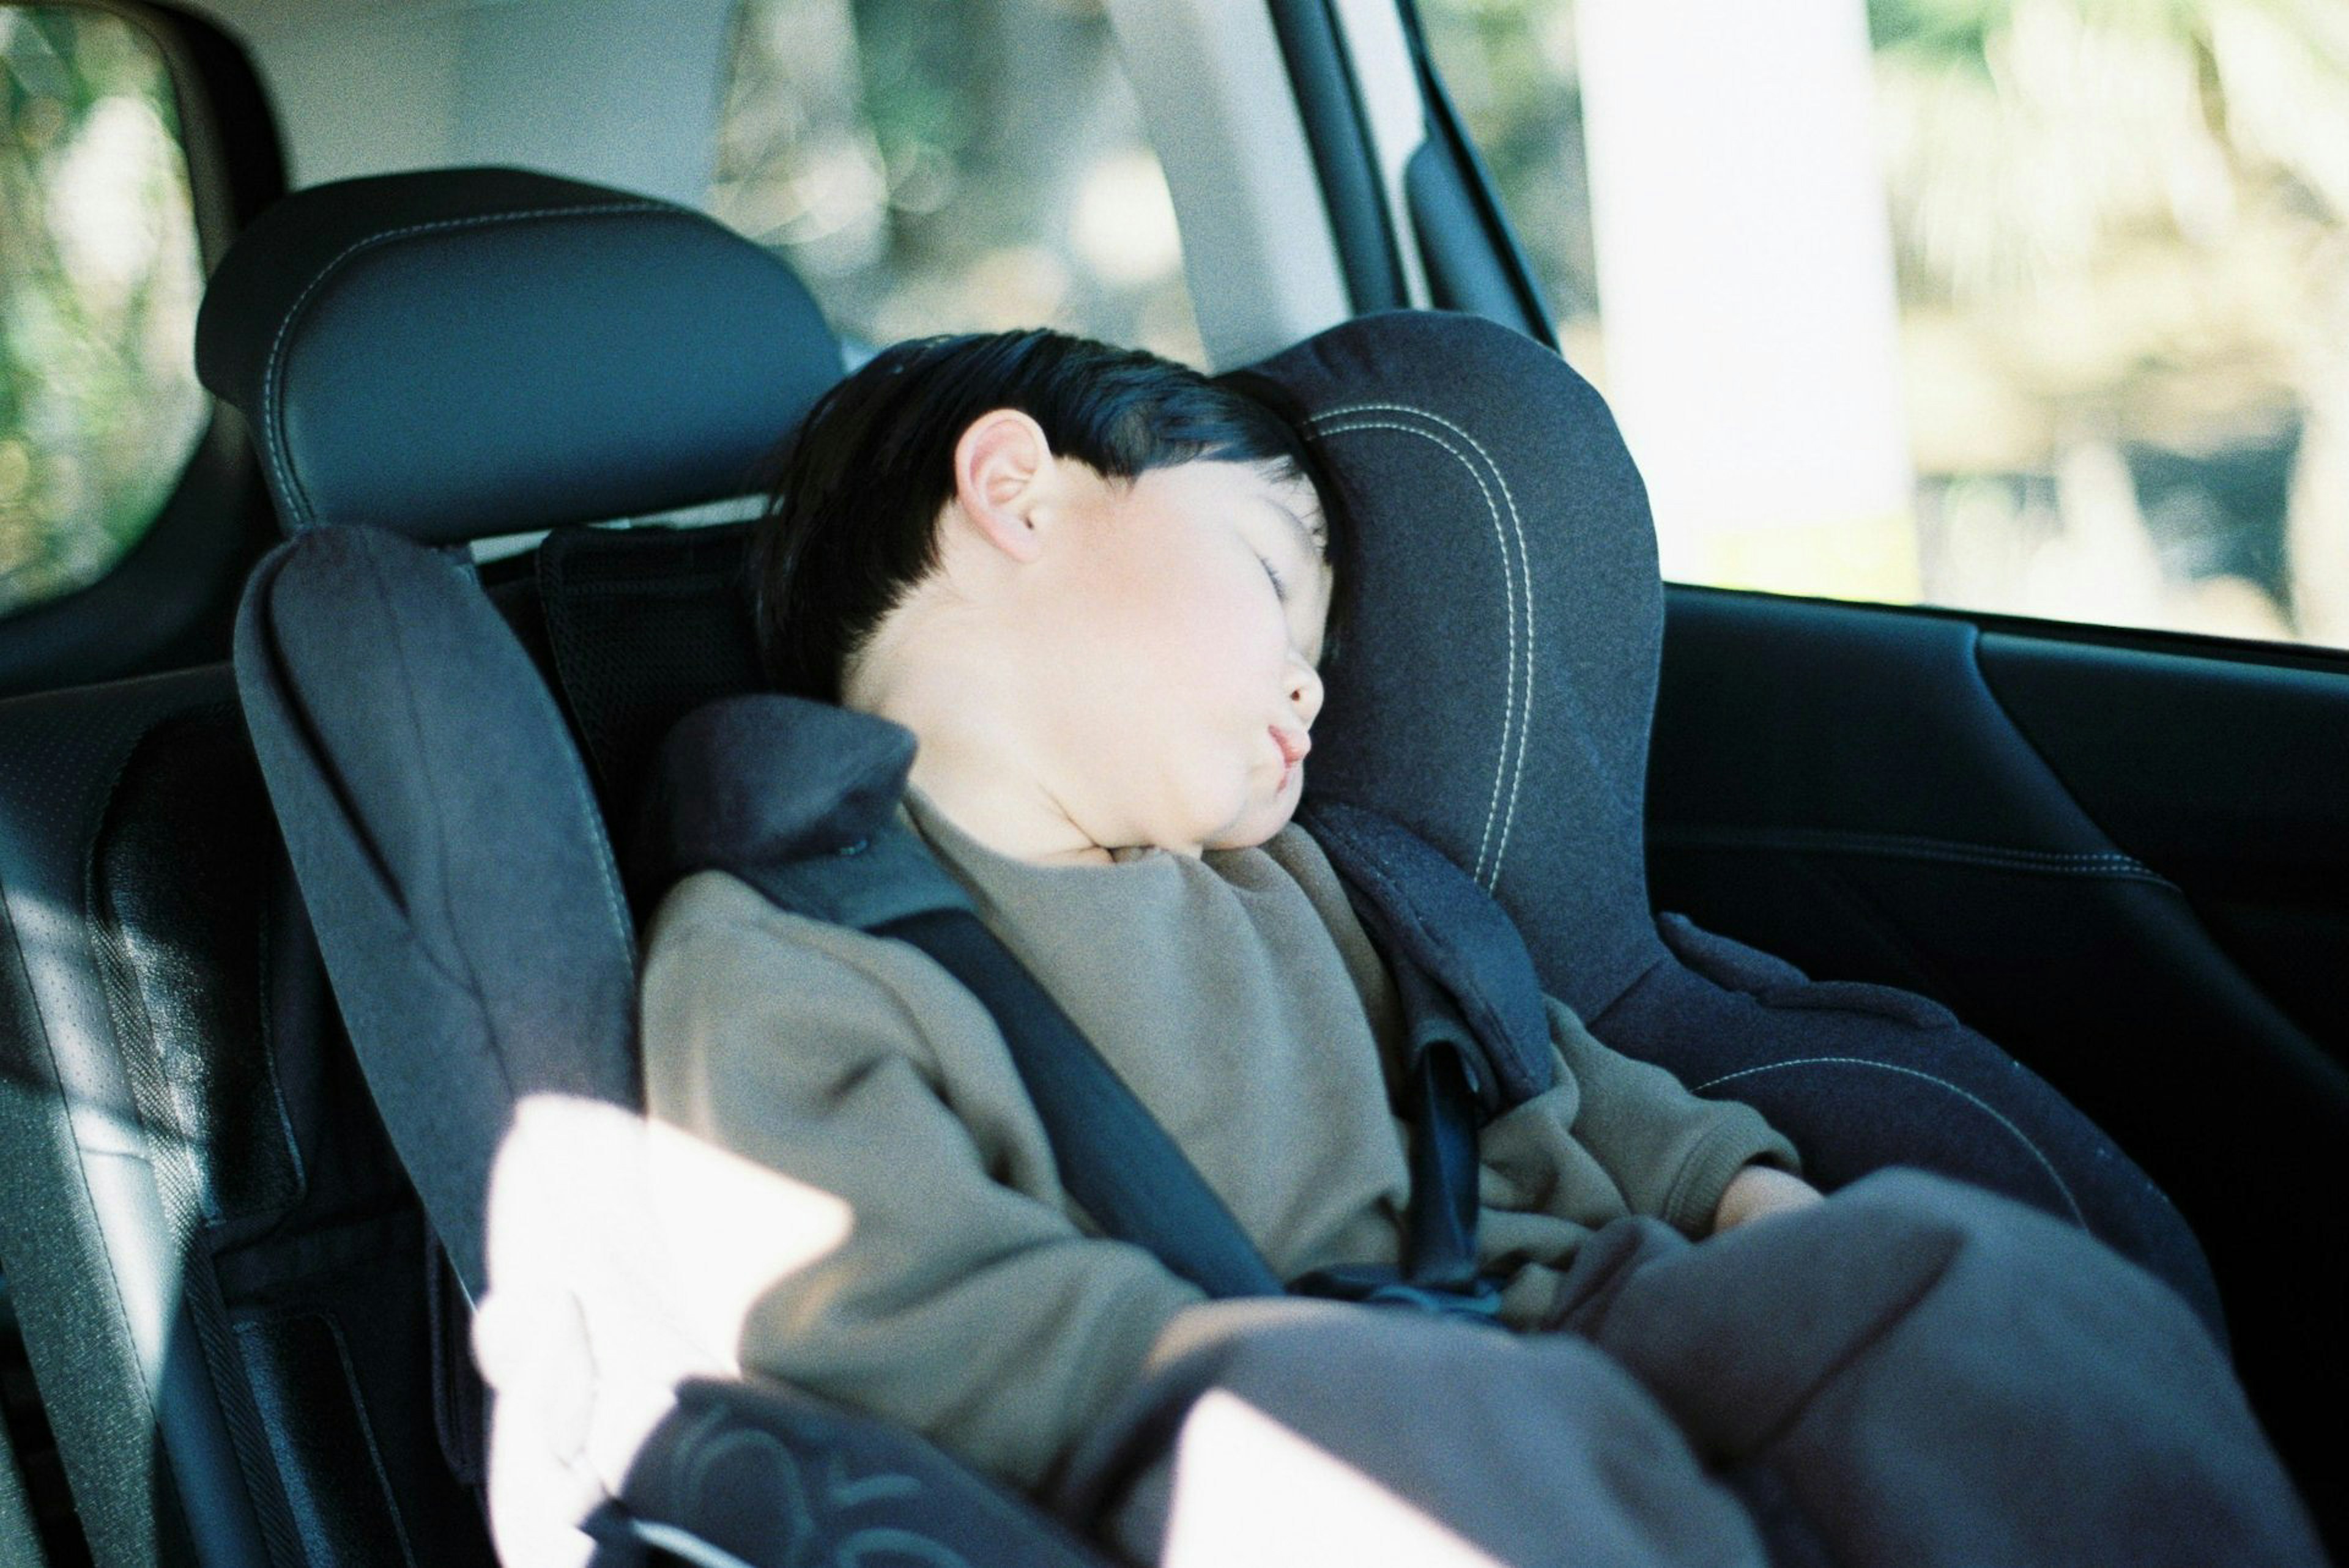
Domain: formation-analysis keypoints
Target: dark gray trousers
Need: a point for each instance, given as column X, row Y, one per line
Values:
column 1914, row 1373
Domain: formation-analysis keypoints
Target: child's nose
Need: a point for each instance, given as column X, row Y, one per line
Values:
column 1305, row 690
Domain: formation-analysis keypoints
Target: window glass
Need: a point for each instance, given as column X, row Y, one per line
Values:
column 100, row 407
column 952, row 165
column 2037, row 306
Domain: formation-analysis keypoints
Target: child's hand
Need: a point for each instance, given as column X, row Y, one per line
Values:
column 1759, row 1190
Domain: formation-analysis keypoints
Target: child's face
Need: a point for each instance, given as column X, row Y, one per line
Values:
column 1180, row 618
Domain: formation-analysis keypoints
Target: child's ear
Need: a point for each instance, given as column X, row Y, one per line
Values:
column 1002, row 470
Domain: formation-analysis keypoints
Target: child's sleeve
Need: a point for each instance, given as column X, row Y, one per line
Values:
column 1672, row 1153
column 962, row 1301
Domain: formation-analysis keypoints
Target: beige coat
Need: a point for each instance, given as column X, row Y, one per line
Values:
column 1239, row 997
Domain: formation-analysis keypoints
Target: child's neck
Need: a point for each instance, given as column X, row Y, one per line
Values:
column 1003, row 810
column 975, row 770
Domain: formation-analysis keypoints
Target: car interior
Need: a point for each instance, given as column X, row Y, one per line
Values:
column 246, row 1226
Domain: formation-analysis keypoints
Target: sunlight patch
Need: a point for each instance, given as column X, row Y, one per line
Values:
column 1249, row 1491
column 624, row 1255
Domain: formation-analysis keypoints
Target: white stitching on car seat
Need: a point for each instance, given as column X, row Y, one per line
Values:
column 272, row 436
column 1508, row 580
column 1525, row 562
column 2110, row 863
column 1977, row 1102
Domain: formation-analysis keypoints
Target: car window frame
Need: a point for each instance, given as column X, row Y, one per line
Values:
column 170, row 599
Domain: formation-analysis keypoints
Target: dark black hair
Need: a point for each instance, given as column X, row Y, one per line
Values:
column 855, row 490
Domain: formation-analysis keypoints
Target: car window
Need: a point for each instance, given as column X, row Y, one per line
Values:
column 99, row 408
column 2036, row 306
column 941, row 166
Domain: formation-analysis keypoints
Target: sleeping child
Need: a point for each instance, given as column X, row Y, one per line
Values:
column 1097, row 588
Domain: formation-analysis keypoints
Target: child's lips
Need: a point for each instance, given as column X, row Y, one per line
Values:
column 1294, row 744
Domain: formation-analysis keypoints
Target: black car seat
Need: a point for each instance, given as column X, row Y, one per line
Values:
column 216, row 1264
column 443, row 356
column 1499, row 701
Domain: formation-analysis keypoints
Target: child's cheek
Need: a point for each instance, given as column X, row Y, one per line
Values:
column 1159, row 608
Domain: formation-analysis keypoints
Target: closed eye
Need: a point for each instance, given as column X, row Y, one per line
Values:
column 1279, row 587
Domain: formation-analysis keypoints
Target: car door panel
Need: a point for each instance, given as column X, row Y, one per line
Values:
column 2127, row 867
column 2231, row 777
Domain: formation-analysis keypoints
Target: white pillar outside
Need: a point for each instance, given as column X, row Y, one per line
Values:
column 1746, row 289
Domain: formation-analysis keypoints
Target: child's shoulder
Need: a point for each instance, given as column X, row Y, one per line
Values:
column 706, row 909
column 726, row 973
column 716, row 935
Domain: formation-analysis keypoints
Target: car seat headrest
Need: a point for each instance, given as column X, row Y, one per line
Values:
column 454, row 353
column 1496, row 685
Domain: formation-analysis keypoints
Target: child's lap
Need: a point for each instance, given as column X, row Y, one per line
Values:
column 1911, row 1372
column 1530, row 1450
column 1924, row 1373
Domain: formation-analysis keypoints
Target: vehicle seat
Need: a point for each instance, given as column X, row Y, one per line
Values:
column 218, row 1268
column 1498, row 699
column 392, row 342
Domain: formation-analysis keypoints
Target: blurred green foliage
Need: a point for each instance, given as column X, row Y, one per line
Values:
column 1510, row 67
column 2121, row 229
column 99, row 281
column 2125, row 152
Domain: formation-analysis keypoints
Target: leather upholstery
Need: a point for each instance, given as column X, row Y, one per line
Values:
column 193, row 1170
column 467, row 353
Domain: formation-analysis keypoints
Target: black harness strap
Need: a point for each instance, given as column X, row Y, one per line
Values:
column 1439, row 1269
column 799, row 799
column 1115, row 1159
column 1478, row 1032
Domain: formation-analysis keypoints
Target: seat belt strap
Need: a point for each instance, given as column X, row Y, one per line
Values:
column 1439, row 1271
column 1427, row 916
column 1119, row 1165
column 1440, row 1237
column 800, row 800
column 1477, row 1034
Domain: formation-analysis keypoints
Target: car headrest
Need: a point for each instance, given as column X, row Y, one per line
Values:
column 453, row 354
column 1494, row 689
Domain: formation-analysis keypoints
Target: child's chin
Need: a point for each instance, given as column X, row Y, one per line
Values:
column 1257, row 827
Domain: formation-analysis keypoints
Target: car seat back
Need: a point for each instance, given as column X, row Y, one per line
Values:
column 467, row 988
column 443, row 359
column 214, row 1260
column 1498, row 702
